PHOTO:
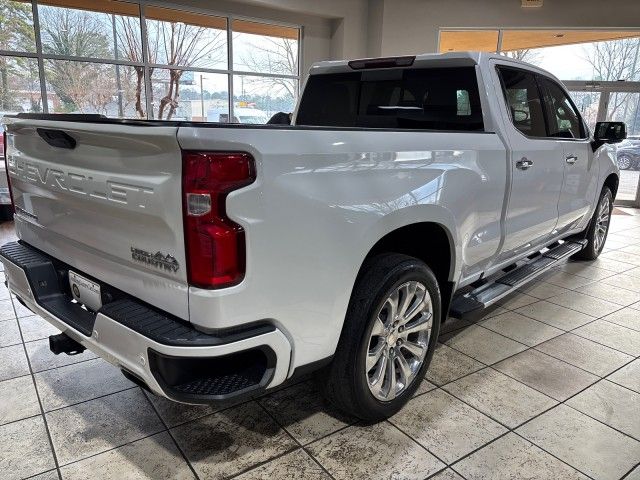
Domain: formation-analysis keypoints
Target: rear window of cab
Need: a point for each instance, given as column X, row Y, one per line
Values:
column 421, row 98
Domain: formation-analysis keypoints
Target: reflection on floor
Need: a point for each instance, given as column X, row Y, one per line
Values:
column 549, row 381
column 628, row 185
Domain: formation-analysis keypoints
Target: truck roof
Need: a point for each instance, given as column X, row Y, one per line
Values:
column 449, row 59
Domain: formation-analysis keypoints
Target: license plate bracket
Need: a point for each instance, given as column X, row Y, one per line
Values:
column 85, row 291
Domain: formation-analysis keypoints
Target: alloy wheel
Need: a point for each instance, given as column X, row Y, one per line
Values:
column 399, row 340
column 602, row 223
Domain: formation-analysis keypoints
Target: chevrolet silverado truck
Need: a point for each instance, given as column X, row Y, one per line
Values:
column 209, row 261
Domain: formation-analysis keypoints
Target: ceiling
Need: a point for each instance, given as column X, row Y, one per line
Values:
column 487, row 40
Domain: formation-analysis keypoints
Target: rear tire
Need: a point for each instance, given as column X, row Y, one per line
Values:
column 598, row 228
column 385, row 350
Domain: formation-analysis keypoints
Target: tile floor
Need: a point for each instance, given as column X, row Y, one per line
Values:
column 546, row 386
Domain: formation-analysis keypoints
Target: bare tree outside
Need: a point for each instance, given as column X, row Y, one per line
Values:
column 184, row 45
column 130, row 44
column 527, row 55
column 269, row 55
column 612, row 61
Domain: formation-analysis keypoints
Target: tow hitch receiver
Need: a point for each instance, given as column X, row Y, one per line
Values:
column 62, row 343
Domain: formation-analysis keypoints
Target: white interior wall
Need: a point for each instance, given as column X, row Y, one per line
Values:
column 349, row 21
column 412, row 26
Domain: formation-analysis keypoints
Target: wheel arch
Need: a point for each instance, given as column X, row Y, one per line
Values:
column 612, row 181
column 430, row 242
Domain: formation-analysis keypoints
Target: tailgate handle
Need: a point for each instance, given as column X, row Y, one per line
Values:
column 57, row 138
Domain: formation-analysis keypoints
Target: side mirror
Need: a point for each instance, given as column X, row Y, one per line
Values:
column 610, row 132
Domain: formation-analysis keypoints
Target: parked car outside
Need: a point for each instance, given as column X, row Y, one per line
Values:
column 628, row 155
column 242, row 113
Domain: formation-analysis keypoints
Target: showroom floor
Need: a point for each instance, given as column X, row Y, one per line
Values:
column 547, row 386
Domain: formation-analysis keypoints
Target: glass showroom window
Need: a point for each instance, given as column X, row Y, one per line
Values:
column 612, row 60
column 257, row 98
column 579, row 59
column 192, row 42
column 19, row 85
column 16, row 26
column 269, row 50
column 19, row 77
column 88, row 87
column 91, row 57
column 189, row 95
column 186, row 39
column 100, row 30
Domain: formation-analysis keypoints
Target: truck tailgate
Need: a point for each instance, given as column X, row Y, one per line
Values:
column 106, row 199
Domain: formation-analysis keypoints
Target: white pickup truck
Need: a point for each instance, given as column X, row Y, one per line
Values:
column 209, row 261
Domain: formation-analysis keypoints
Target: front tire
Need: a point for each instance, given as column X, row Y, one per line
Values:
column 388, row 338
column 598, row 228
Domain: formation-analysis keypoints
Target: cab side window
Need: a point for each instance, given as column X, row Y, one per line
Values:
column 564, row 119
column 523, row 100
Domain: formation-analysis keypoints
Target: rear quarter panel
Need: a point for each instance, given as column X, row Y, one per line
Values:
column 323, row 198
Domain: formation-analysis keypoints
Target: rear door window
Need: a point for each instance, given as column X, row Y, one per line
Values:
column 523, row 100
column 424, row 99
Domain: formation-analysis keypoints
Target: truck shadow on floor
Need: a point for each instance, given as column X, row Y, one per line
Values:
column 116, row 420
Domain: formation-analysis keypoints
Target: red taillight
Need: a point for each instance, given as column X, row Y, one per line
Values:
column 215, row 245
column 6, row 167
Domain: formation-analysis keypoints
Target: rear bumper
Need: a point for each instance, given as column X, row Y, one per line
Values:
column 167, row 355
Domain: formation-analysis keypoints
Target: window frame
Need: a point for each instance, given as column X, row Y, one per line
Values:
column 541, row 89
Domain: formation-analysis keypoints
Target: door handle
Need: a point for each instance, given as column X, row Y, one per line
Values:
column 571, row 159
column 524, row 163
